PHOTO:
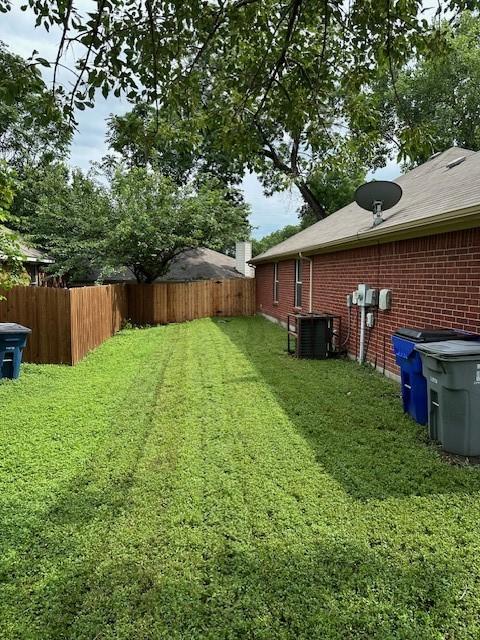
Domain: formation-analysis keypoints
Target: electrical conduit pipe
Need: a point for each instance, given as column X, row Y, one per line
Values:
column 361, row 351
column 310, row 281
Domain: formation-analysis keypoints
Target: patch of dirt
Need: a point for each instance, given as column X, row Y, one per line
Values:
column 460, row 461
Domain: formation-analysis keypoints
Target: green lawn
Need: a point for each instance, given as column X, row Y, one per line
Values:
column 193, row 481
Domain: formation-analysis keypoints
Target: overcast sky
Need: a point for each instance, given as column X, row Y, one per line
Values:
column 268, row 214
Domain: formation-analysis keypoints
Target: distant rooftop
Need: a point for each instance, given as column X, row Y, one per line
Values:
column 34, row 255
column 192, row 264
column 30, row 254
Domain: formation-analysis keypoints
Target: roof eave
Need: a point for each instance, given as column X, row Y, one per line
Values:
column 30, row 260
column 455, row 220
column 39, row 260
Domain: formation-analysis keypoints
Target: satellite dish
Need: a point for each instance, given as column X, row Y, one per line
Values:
column 378, row 196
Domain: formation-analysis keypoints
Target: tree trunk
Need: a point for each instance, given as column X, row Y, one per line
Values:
column 309, row 197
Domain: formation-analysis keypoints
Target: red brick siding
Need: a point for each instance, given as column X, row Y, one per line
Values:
column 435, row 281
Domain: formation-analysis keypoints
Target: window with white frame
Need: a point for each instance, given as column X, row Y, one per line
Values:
column 276, row 282
column 298, row 283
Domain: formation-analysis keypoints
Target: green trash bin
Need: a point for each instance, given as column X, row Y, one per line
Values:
column 452, row 371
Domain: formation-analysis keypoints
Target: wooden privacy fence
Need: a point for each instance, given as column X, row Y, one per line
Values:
column 96, row 313
column 68, row 323
column 182, row 301
column 47, row 313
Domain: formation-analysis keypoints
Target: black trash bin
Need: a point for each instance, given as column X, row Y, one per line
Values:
column 13, row 339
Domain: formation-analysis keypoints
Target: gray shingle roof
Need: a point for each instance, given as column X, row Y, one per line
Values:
column 29, row 253
column 192, row 264
column 429, row 190
column 202, row 264
column 34, row 255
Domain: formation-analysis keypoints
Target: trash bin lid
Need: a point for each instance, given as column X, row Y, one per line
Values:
column 450, row 349
column 428, row 334
column 12, row 327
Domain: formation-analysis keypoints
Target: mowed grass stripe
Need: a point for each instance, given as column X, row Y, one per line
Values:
column 75, row 475
column 224, row 504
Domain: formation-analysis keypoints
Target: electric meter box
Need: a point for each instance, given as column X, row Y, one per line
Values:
column 385, row 300
column 362, row 294
column 355, row 297
column 371, row 298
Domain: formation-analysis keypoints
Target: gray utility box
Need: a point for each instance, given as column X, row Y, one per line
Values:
column 452, row 370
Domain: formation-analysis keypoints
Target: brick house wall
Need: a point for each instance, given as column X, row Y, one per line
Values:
column 435, row 282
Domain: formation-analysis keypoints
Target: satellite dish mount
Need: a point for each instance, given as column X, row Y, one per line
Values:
column 377, row 212
column 378, row 196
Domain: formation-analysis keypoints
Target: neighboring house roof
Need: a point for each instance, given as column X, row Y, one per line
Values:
column 435, row 198
column 29, row 253
column 192, row 264
column 34, row 255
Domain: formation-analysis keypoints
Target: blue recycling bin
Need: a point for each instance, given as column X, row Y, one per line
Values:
column 13, row 339
column 414, row 384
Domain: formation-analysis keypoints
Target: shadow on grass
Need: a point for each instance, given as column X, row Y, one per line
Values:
column 328, row 590
column 352, row 418
column 148, row 587
column 56, row 567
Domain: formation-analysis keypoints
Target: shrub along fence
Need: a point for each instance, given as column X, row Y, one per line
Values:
column 68, row 323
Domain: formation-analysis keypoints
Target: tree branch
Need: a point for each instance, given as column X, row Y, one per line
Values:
column 216, row 25
column 297, row 4
column 275, row 158
column 261, row 63
column 390, row 66
column 270, row 152
column 151, row 25
column 325, row 33
column 294, row 154
column 101, row 7
column 307, row 194
column 62, row 43
column 243, row 3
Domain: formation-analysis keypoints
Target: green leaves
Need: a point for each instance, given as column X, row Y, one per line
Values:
column 273, row 87
column 32, row 126
column 153, row 220
column 270, row 240
column 437, row 102
column 141, row 220
column 333, row 182
column 7, row 190
column 43, row 62
column 12, row 272
column 249, row 76
column 65, row 213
